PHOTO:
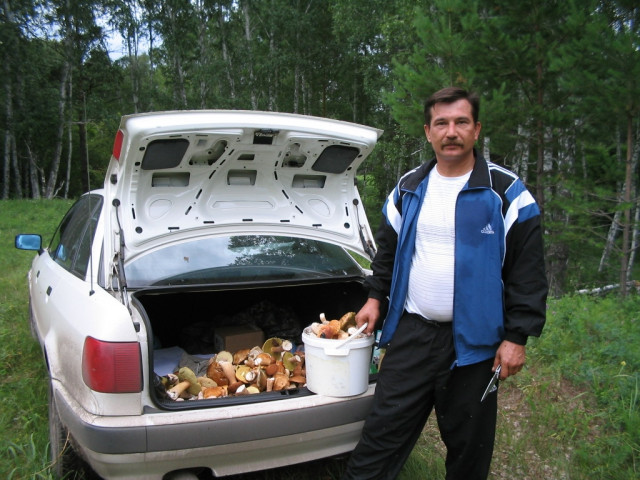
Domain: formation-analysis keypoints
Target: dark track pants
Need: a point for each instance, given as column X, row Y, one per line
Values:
column 415, row 377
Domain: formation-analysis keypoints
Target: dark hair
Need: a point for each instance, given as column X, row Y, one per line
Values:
column 450, row 95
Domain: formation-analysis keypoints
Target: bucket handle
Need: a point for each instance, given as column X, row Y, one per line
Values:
column 338, row 349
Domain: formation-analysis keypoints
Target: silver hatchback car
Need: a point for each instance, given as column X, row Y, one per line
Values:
column 214, row 231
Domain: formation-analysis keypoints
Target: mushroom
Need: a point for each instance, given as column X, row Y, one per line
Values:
column 233, row 388
column 177, row 390
column 270, row 382
column 224, row 356
column 206, row 382
column 315, row 328
column 241, row 372
column 289, row 360
column 329, row 330
column 342, row 335
column 215, row 373
column 280, row 381
column 300, row 380
column 285, row 346
column 260, row 379
column 272, row 369
column 186, row 374
column 240, row 356
column 215, row 392
column 273, row 346
column 348, row 320
column 229, row 371
column 263, row 359
column 169, row 380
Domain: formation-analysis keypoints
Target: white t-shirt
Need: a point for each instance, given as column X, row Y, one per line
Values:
column 431, row 277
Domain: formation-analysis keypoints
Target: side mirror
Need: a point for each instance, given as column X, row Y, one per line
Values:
column 29, row 241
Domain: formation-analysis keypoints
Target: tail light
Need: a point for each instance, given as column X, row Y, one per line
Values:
column 112, row 367
column 117, row 144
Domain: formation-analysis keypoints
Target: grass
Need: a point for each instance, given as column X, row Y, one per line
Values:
column 23, row 395
column 573, row 413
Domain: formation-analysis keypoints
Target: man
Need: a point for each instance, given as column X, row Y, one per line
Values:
column 460, row 259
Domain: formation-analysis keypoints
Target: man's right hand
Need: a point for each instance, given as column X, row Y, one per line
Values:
column 369, row 313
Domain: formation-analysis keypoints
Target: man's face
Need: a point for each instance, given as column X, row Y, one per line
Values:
column 453, row 133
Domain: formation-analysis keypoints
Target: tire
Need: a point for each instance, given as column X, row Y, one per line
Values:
column 65, row 462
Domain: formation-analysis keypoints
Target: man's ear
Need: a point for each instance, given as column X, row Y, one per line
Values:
column 427, row 132
column 478, row 128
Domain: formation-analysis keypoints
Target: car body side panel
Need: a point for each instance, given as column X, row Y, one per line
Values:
column 53, row 291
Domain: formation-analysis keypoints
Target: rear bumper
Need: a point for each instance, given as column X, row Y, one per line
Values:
column 228, row 440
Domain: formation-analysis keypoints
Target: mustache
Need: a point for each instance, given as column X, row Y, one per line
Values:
column 455, row 144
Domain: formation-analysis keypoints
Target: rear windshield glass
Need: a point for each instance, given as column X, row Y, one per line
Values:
column 239, row 259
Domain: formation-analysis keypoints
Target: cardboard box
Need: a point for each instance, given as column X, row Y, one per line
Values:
column 236, row 337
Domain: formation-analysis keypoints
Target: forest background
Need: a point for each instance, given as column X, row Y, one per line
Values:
column 559, row 82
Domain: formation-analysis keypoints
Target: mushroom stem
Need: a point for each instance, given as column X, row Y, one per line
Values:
column 175, row 391
column 229, row 371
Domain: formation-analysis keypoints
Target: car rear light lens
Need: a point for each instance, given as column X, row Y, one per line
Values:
column 112, row 367
column 117, row 144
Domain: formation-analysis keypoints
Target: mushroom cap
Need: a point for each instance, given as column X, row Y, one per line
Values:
column 299, row 379
column 215, row 373
column 329, row 330
column 234, row 387
column 215, row 392
column 263, row 359
column 290, row 361
column 224, row 356
column 206, row 382
column 241, row 372
column 281, row 381
column 240, row 356
column 186, row 374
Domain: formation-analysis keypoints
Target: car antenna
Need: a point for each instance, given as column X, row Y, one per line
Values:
column 122, row 280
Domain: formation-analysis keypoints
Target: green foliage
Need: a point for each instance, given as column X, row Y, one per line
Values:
column 574, row 412
column 594, row 343
column 23, row 394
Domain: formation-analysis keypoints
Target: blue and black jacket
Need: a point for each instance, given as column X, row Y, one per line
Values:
column 500, row 286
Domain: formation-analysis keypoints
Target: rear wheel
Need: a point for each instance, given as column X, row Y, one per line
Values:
column 65, row 462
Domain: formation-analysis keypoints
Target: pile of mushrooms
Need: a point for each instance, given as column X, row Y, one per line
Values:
column 272, row 367
column 335, row 329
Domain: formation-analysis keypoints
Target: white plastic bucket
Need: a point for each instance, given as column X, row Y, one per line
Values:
column 337, row 372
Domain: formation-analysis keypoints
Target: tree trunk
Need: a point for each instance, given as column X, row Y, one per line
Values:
column 635, row 231
column 249, row 42
column 8, row 111
column 50, row 187
column 33, row 175
column 203, row 55
column 626, row 228
column 226, row 57
column 134, row 71
column 17, row 175
column 84, row 155
column 615, row 226
column 540, row 141
column 6, row 162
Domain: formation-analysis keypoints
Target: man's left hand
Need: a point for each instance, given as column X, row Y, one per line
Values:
column 511, row 356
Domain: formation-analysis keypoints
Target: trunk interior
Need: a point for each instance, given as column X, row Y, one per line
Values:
column 189, row 326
